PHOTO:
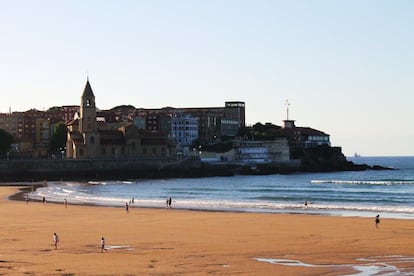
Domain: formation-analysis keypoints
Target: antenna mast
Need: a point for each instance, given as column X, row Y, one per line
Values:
column 287, row 109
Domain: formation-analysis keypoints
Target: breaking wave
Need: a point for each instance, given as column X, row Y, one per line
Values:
column 365, row 182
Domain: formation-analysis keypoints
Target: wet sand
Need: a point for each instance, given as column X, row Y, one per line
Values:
column 181, row 242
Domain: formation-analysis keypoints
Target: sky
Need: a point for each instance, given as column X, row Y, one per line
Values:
column 345, row 67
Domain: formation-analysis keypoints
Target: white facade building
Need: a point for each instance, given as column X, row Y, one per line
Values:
column 184, row 129
column 263, row 151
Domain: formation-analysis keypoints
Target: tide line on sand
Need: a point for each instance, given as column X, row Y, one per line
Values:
column 122, row 247
column 381, row 265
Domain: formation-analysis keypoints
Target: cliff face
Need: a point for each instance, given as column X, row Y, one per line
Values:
column 325, row 159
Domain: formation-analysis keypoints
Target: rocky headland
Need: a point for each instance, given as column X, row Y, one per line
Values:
column 318, row 159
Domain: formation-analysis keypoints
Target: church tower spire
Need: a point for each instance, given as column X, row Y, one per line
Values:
column 87, row 110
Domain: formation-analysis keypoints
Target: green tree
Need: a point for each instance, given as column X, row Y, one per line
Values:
column 6, row 139
column 58, row 139
column 261, row 131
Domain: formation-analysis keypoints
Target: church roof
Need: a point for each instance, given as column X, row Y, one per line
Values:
column 87, row 92
column 73, row 122
column 112, row 137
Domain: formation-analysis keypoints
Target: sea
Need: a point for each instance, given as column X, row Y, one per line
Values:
column 389, row 193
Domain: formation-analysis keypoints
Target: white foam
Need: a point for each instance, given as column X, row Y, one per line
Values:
column 124, row 247
column 364, row 182
column 373, row 266
column 96, row 183
column 58, row 193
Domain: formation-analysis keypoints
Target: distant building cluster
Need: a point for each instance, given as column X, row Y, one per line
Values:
column 174, row 126
column 129, row 132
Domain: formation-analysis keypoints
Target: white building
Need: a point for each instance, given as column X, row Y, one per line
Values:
column 184, row 128
column 263, row 151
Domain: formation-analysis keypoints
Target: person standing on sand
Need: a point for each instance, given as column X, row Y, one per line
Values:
column 102, row 244
column 169, row 202
column 55, row 240
column 377, row 221
column 126, row 207
column 66, row 203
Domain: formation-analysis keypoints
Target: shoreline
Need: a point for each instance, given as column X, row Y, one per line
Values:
column 98, row 169
column 170, row 241
column 299, row 210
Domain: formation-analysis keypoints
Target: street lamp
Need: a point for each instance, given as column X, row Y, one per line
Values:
column 62, row 151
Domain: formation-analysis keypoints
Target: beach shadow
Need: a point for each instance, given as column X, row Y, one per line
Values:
column 12, row 267
column 152, row 263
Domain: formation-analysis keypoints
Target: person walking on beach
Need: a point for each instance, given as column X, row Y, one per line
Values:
column 126, row 207
column 102, row 244
column 55, row 240
column 377, row 221
column 66, row 203
column 169, row 202
column 44, row 200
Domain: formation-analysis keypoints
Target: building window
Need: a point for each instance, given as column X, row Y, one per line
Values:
column 92, row 140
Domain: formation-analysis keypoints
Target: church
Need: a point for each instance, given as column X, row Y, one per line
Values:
column 89, row 139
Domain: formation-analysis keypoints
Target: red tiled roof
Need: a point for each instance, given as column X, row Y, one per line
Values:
column 73, row 123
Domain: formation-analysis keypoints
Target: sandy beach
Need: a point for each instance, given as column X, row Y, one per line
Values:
column 182, row 242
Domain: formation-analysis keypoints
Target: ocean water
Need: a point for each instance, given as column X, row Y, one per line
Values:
column 389, row 193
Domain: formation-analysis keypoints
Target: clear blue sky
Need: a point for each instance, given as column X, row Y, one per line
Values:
column 346, row 67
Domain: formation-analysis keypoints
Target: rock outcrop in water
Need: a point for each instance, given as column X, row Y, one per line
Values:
column 328, row 159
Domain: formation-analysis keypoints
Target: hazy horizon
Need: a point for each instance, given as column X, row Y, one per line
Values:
column 346, row 67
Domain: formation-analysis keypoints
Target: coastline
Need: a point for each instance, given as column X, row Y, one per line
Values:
column 322, row 160
column 168, row 241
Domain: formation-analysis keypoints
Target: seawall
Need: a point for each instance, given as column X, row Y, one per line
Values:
column 93, row 169
column 70, row 169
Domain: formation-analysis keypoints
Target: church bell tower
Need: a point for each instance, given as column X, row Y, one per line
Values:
column 87, row 124
column 87, row 110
